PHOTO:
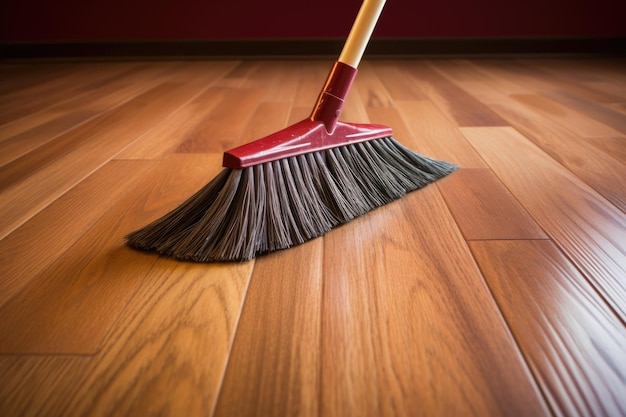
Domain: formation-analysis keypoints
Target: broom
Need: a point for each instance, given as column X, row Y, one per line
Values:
column 298, row 183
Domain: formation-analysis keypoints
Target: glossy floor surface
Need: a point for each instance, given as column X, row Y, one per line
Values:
column 497, row 291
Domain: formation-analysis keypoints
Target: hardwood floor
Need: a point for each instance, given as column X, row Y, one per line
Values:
column 497, row 291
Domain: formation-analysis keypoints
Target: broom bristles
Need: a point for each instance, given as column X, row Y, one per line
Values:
column 246, row 212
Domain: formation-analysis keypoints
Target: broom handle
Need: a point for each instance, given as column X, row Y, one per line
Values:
column 361, row 32
column 330, row 101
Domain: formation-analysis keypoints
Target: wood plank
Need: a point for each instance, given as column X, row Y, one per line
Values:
column 223, row 127
column 390, row 315
column 620, row 107
column 168, row 350
column 598, row 169
column 79, row 81
column 312, row 77
column 274, row 366
column 69, row 307
column 587, row 228
column 605, row 77
column 484, row 209
column 408, row 324
column 577, row 122
column 542, row 81
column 604, row 173
column 354, row 109
column 32, row 131
column 464, row 71
column 39, row 242
column 297, row 114
column 616, row 146
column 278, row 79
column 371, row 88
column 573, row 342
column 53, row 150
column 34, row 386
column 233, row 395
column 195, row 127
column 268, row 118
column 603, row 114
column 238, row 75
column 391, row 117
column 457, row 104
column 107, row 137
column 436, row 136
column 581, row 100
column 29, row 79
column 399, row 86
column 602, row 170
column 609, row 86
column 16, row 146
column 27, row 75
column 188, row 124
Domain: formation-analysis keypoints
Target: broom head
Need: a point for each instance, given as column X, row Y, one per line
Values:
column 292, row 186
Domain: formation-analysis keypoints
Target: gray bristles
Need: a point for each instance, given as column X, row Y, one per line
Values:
column 242, row 213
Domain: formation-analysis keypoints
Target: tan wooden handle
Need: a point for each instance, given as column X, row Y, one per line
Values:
column 361, row 32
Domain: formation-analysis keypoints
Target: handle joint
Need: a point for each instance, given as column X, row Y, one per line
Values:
column 328, row 107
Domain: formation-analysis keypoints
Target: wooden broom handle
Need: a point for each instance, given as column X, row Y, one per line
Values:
column 327, row 109
column 361, row 32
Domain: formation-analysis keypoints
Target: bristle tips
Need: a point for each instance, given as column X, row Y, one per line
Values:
column 246, row 212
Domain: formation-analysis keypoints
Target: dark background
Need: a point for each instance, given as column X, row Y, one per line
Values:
column 118, row 20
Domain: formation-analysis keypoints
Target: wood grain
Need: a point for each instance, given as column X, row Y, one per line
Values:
column 587, row 228
column 287, row 389
column 398, row 85
column 573, row 95
column 577, row 122
column 169, row 349
column 615, row 146
column 494, row 213
column 559, row 131
column 460, row 106
column 278, row 79
column 37, row 98
column 312, row 77
column 268, row 118
column 28, row 133
column 238, row 75
column 496, row 291
column 542, row 81
column 106, row 138
column 409, row 327
column 59, row 225
column 602, row 172
column 274, row 366
column 620, row 107
column 191, row 124
column 527, row 114
column 573, row 343
column 597, row 111
column 222, row 128
column 33, row 386
column 15, row 146
column 604, row 77
column 142, row 105
column 70, row 306
column 436, row 136
column 20, row 77
column 62, row 146
column 472, row 72
column 371, row 89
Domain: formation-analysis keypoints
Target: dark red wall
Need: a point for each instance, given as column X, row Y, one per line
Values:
column 84, row 20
